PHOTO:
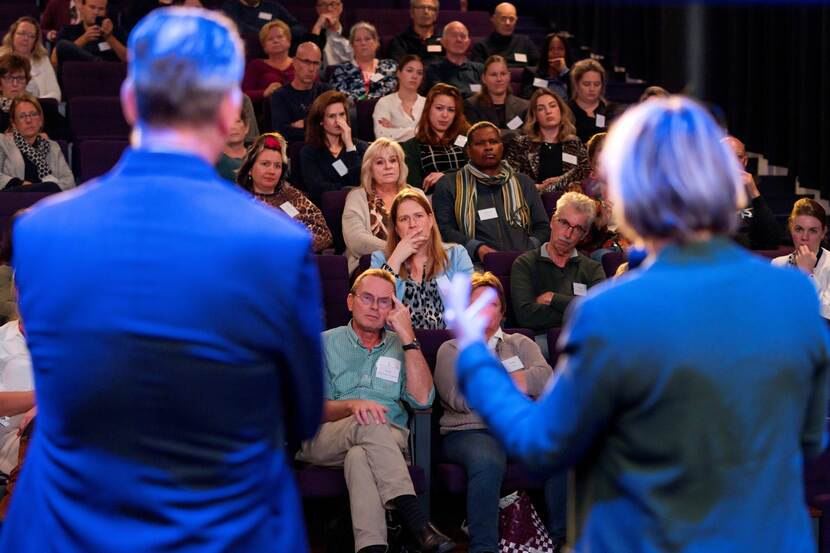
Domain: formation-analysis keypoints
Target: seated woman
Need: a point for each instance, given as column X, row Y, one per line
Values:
column 24, row 39
column 808, row 227
column 14, row 77
column 549, row 152
column 396, row 114
column 466, row 439
column 438, row 145
column 29, row 162
column 330, row 159
column 366, row 223
column 234, row 151
column 553, row 71
column 495, row 102
column 263, row 173
column 264, row 76
column 417, row 258
column 366, row 77
column 591, row 111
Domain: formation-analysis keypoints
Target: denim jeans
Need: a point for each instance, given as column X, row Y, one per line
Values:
column 485, row 461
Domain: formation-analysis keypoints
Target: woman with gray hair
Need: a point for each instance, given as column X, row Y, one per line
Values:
column 366, row 77
column 686, row 415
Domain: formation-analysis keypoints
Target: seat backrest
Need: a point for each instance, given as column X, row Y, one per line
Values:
column 296, row 175
column 611, row 261
column 549, row 200
column 365, row 122
column 516, row 74
column 334, row 280
column 500, row 263
column 12, row 202
column 553, row 350
column 92, row 78
column 97, row 117
column 93, row 158
column 332, row 206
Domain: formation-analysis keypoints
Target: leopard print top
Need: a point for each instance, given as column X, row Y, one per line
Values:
column 309, row 214
column 424, row 302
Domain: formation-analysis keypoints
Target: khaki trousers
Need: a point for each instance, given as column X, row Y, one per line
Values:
column 373, row 465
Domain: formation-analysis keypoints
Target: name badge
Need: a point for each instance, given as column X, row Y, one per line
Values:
column 600, row 120
column 5, row 421
column 434, row 48
column 289, row 209
column 104, row 46
column 540, row 83
column 515, row 123
column 476, row 88
column 580, row 289
column 513, row 364
column 569, row 158
column 519, row 57
column 376, row 77
column 266, row 16
column 487, row 214
column 340, row 167
column 388, row 368
column 460, row 141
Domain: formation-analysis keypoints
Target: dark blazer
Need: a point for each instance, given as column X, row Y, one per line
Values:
column 513, row 107
column 174, row 326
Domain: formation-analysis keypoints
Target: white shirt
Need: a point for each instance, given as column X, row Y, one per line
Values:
column 820, row 278
column 15, row 376
column 44, row 84
column 337, row 49
column 390, row 107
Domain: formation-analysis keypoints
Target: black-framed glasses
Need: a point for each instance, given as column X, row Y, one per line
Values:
column 567, row 227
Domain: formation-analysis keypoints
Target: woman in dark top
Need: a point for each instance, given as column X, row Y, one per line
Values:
column 438, row 146
column 591, row 111
column 494, row 102
column 331, row 158
column 549, row 151
column 553, row 69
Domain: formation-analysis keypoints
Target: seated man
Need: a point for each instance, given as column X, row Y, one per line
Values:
column 370, row 372
column 327, row 33
column 455, row 68
column 517, row 49
column 251, row 15
column 94, row 38
column 290, row 103
column 419, row 38
column 544, row 281
column 486, row 206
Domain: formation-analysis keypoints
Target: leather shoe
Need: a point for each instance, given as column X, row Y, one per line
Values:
column 429, row 540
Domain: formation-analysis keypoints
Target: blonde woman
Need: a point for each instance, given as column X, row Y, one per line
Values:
column 592, row 111
column 24, row 39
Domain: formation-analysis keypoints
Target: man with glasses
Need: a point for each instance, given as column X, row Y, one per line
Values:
column 419, row 38
column 327, row 33
column 289, row 104
column 95, row 37
column 370, row 372
column 517, row 49
column 486, row 206
column 251, row 15
column 544, row 281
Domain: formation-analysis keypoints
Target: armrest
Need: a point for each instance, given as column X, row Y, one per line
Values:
column 420, row 445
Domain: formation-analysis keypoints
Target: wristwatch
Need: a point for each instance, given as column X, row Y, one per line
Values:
column 414, row 344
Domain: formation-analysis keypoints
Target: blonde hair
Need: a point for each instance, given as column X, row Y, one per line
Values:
column 567, row 126
column 489, row 280
column 380, row 273
column 376, row 149
column 437, row 254
column 579, row 202
column 578, row 71
column 275, row 24
column 38, row 52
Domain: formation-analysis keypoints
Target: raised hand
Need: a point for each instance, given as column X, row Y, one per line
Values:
column 463, row 319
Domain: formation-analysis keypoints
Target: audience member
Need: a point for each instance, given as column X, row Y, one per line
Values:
column 365, row 76
column 591, row 112
column 264, row 76
column 29, row 162
column 95, row 37
column 263, row 173
column 654, row 92
column 438, row 145
column 330, row 159
column 251, row 15
column 16, row 390
column 495, row 102
column 370, row 373
column 486, row 206
column 519, row 50
column 419, row 38
column 548, row 151
column 327, row 33
column 291, row 102
column 14, row 77
column 808, row 228
column 758, row 229
column 56, row 15
column 466, row 439
column 455, row 69
column 544, row 281
column 553, row 71
column 417, row 258
column 24, row 39
column 366, row 222
column 250, row 117
column 397, row 114
column 234, row 152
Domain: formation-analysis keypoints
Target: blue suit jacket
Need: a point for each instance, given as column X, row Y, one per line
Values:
column 174, row 328
column 688, row 396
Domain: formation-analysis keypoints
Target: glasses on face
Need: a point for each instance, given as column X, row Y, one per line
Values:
column 28, row 116
column 24, row 34
column 329, row 5
column 425, row 7
column 369, row 300
column 567, row 227
column 14, row 78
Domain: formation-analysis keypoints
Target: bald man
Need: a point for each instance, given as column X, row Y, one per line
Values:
column 289, row 104
column 455, row 68
column 758, row 229
column 419, row 38
column 518, row 49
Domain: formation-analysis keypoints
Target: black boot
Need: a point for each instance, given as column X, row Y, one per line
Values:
column 429, row 540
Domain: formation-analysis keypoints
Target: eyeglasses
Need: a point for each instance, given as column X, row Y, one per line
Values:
column 24, row 34
column 14, row 78
column 567, row 227
column 425, row 7
column 329, row 5
column 30, row 115
column 368, row 300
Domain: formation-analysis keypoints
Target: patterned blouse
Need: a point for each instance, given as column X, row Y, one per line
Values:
column 348, row 79
column 425, row 305
column 307, row 213
column 523, row 155
column 378, row 216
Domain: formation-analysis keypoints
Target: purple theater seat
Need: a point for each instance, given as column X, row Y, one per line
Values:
column 332, row 204
column 500, row 263
column 296, row 174
column 477, row 22
column 777, row 252
column 516, row 74
column 12, row 11
column 334, row 280
column 553, row 349
column 93, row 158
column 92, row 78
column 515, row 88
column 611, row 261
column 363, row 263
column 365, row 122
column 97, row 117
column 549, row 200
column 389, row 21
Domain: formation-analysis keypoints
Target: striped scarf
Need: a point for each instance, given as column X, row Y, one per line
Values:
column 466, row 197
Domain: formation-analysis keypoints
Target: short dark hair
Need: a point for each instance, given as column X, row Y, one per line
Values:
column 12, row 63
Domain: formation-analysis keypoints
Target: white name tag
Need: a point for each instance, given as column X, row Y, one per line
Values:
column 460, row 141
column 289, row 209
column 476, row 88
column 519, row 57
column 266, row 16
column 515, row 123
column 513, row 364
column 600, row 120
column 340, row 167
column 436, row 48
column 540, row 83
column 104, row 46
column 568, row 158
column 376, row 77
column 580, row 289
column 487, row 214
column 388, row 368
column 5, row 421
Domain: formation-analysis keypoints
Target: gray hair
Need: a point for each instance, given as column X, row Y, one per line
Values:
column 183, row 62
column 670, row 173
column 579, row 202
column 366, row 26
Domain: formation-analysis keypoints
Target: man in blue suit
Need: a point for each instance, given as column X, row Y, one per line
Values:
column 174, row 329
